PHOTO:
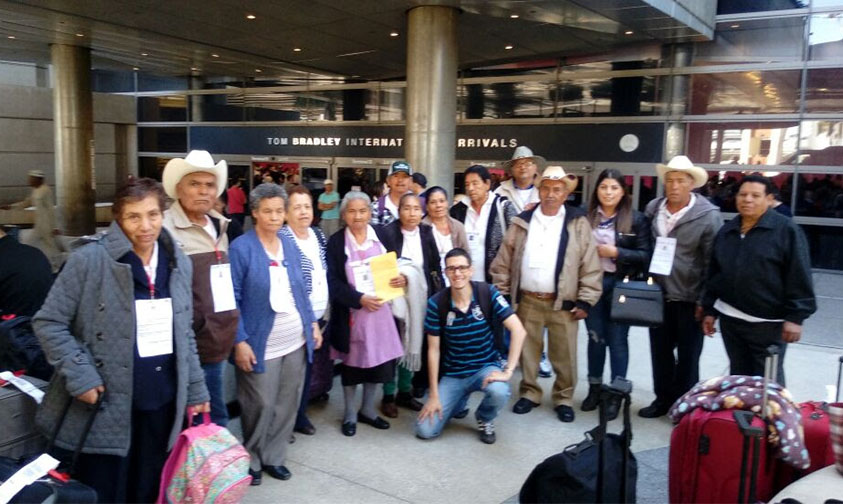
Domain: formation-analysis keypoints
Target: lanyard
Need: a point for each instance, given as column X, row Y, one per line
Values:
column 151, row 286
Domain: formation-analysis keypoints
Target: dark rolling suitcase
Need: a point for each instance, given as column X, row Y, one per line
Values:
column 600, row 469
column 18, row 436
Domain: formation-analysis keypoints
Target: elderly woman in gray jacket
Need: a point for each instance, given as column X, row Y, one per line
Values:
column 117, row 327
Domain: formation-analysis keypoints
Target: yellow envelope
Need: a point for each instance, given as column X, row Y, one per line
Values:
column 385, row 268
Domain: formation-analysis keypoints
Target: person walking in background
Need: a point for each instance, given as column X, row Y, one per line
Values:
column 759, row 281
column 683, row 227
column 45, row 231
column 385, row 208
column 201, row 232
column 94, row 328
column 329, row 205
column 622, row 236
column 549, row 266
column 361, row 330
column 486, row 218
column 520, row 189
column 310, row 243
column 276, row 336
column 237, row 202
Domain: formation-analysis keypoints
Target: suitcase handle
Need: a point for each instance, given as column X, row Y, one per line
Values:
column 85, row 430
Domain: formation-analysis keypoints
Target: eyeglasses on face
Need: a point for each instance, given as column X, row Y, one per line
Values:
column 454, row 269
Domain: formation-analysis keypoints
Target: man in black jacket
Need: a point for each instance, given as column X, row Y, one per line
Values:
column 25, row 277
column 759, row 281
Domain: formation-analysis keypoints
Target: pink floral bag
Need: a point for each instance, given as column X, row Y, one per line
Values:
column 207, row 464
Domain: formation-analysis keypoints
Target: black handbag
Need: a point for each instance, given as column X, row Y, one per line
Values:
column 592, row 470
column 637, row 303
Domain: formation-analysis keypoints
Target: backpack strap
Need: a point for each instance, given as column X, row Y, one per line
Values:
column 483, row 293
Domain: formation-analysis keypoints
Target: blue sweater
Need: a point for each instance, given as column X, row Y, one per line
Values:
column 250, row 274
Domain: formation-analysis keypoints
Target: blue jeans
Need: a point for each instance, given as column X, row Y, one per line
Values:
column 453, row 393
column 213, row 380
column 602, row 333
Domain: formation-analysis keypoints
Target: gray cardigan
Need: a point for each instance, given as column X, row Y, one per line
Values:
column 86, row 327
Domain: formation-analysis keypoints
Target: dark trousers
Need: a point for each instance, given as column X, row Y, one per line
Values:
column 135, row 477
column 746, row 344
column 213, row 380
column 675, row 374
column 603, row 334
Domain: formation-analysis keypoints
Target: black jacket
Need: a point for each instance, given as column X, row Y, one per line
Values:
column 432, row 267
column 767, row 274
column 25, row 278
column 494, row 231
column 634, row 248
column 343, row 295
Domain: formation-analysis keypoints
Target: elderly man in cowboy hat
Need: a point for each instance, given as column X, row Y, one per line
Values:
column 520, row 189
column 195, row 182
column 548, row 264
column 684, row 227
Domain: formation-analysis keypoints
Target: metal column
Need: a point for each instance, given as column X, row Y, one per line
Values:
column 431, row 128
column 73, row 120
column 674, row 144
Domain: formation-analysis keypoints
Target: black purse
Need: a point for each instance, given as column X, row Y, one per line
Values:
column 637, row 303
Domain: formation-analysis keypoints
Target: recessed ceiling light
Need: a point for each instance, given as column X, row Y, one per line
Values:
column 628, row 32
column 508, row 47
column 194, row 69
column 735, row 26
column 297, row 49
column 250, row 16
column 144, row 54
column 12, row 37
column 135, row 69
column 215, row 55
column 80, row 34
column 393, row 34
column 514, row 16
column 258, row 70
column 823, row 89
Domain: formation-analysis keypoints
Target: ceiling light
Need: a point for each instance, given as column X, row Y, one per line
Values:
column 80, row 34
column 393, row 34
column 135, row 69
column 508, row 47
column 215, row 55
column 250, row 16
column 628, row 32
column 194, row 69
column 11, row 37
column 258, row 70
column 144, row 54
column 514, row 16
column 297, row 49
column 823, row 89
column 735, row 26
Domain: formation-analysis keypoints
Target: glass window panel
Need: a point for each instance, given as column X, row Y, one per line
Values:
column 821, row 144
column 162, row 108
column 722, row 186
column 162, row 139
column 647, row 190
column 106, row 81
column 826, row 246
column 824, row 90
column 756, row 143
column 624, row 96
column 366, row 179
column 826, row 39
column 820, row 195
column 755, row 41
column 148, row 82
column 826, row 3
column 753, row 92
column 151, row 167
column 739, row 6
column 390, row 105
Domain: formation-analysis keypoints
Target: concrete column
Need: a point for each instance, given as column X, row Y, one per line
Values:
column 73, row 120
column 674, row 143
column 430, row 136
column 196, row 82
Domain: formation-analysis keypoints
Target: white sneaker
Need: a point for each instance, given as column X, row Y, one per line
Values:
column 545, row 370
column 487, row 431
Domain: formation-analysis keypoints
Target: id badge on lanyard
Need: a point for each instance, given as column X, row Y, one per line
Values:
column 222, row 288
column 154, row 323
column 278, row 283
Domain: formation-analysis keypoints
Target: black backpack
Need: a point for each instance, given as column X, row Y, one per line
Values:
column 483, row 295
column 19, row 349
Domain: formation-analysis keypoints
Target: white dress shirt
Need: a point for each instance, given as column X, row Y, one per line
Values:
column 475, row 231
column 538, row 265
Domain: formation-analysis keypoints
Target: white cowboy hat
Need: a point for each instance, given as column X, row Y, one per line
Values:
column 195, row 161
column 558, row 173
column 524, row 152
column 684, row 165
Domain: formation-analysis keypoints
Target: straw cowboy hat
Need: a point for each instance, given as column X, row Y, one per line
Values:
column 524, row 152
column 196, row 161
column 684, row 165
column 558, row 173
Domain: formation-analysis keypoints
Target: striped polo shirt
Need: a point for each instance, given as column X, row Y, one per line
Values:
column 469, row 344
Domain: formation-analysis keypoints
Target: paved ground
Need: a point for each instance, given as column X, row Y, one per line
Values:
column 393, row 466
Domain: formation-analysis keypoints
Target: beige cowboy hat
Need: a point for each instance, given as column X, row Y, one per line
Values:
column 684, row 165
column 524, row 152
column 195, row 161
column 558, row 173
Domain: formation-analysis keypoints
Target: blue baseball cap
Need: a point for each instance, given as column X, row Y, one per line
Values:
column 400, row 167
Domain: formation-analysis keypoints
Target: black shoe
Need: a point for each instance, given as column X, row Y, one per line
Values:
column 654, row 410
column 564, row 413
column 418, row 392
column 460, row 414
column 487, row 431
column 405, row 400
column 349, row 428
column 377, row 422
column 256, row 477
column 523, row 405
column 593, row 398
column 292, row 438
column 307, row 430
column 278, row 472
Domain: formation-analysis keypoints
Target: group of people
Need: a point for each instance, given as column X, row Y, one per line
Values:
column 143, row 317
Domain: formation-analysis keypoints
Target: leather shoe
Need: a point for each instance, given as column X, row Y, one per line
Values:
column 377, row 422
column 389, row 408
column 349, row 429
column 307, row 430
column 523, row 405
column 278, row 472
column 654, row 410
column 405, row 400
column 256, row 477
column 565, row 413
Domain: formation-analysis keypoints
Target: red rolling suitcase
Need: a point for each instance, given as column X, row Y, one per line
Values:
column 711, row 451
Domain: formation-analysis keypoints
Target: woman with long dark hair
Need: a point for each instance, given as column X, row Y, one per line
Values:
column 622, row 235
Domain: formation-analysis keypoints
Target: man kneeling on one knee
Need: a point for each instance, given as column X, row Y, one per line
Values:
column 461, row 336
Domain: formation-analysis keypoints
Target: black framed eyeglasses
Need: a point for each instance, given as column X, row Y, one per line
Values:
column 453, row 269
